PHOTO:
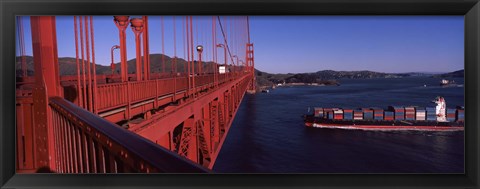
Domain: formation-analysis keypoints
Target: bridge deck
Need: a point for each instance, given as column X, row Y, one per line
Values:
column 143, row 122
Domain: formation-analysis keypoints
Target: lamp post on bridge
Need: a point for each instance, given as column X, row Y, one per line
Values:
column 225, row 54
column 122, row 23
column 112, row 65
column 235, row 56
column 200, row 50
column 137, row 28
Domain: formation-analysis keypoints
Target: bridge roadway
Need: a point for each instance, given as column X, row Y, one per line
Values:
column 142, row 122
column 193, row 123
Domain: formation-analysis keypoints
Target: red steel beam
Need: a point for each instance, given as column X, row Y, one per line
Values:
column 122, row 23
column 47, row 84
column 146, row 49
column 180, row 114
column 153, row 130
column 137, row 28
column 222, row 139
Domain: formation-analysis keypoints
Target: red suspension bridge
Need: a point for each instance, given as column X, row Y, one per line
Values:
column 133, row 118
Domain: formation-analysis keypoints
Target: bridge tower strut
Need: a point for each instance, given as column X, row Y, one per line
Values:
column 47, row 84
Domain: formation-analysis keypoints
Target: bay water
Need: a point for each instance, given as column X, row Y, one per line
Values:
column 268, row 134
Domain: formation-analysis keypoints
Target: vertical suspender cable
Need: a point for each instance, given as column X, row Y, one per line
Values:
column 207, row 43
column 87, row 48
column 174, row 62
column 234, row 42
column 83, row 64
column 19, row 47
column 188, row 55
column 21, row 41
column 24, row 58
column 248, row 30
column 79, row 94
column 245, row 41
column 213, row 50
column 191, row 50
column 248, row 41
column 227, row 68
column 224, row 38
column 184, row 42
column 94, row 66
column 163, row 44
column 55, row 60
column 195, row 42
column 232, row 39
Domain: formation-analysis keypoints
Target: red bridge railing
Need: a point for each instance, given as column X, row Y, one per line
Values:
column 114, row 95
column 86, row 143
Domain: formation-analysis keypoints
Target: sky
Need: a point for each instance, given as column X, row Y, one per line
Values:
column 297, row 44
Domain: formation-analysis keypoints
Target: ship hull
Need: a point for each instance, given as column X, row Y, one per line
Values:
column 386, row 128
column 375, row 125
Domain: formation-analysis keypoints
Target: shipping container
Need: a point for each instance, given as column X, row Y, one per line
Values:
column 318, row 112
column 326, row 111
column 399, row 112
column 410, row 113
column 347, row 113
column 460, row 115
column 347, row 116
column 330, row 115
column 358, row 114
column 388, row 115
column 368, row 115
column 420, row 113
column 451, row 114
column 377, row 113
column 338, row 114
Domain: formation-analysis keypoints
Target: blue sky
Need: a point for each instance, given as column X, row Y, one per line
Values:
column 294, row 44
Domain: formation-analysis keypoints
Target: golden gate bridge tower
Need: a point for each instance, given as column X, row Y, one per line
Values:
column 167, row 114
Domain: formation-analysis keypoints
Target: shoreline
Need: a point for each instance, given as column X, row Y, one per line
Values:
column 260, row 88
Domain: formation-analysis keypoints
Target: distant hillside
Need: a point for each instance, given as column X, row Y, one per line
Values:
column 459, row 73
column 68, row 65
column 417, row 74
column 330, row 74
column 321, row 77
column 268, row 79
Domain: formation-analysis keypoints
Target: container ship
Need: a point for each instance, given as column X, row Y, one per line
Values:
column 438, row 118
column 444, row 82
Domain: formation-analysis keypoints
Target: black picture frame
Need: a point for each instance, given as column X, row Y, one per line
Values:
column 10, row 8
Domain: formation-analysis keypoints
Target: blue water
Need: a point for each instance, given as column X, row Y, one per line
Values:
column 268, row 134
